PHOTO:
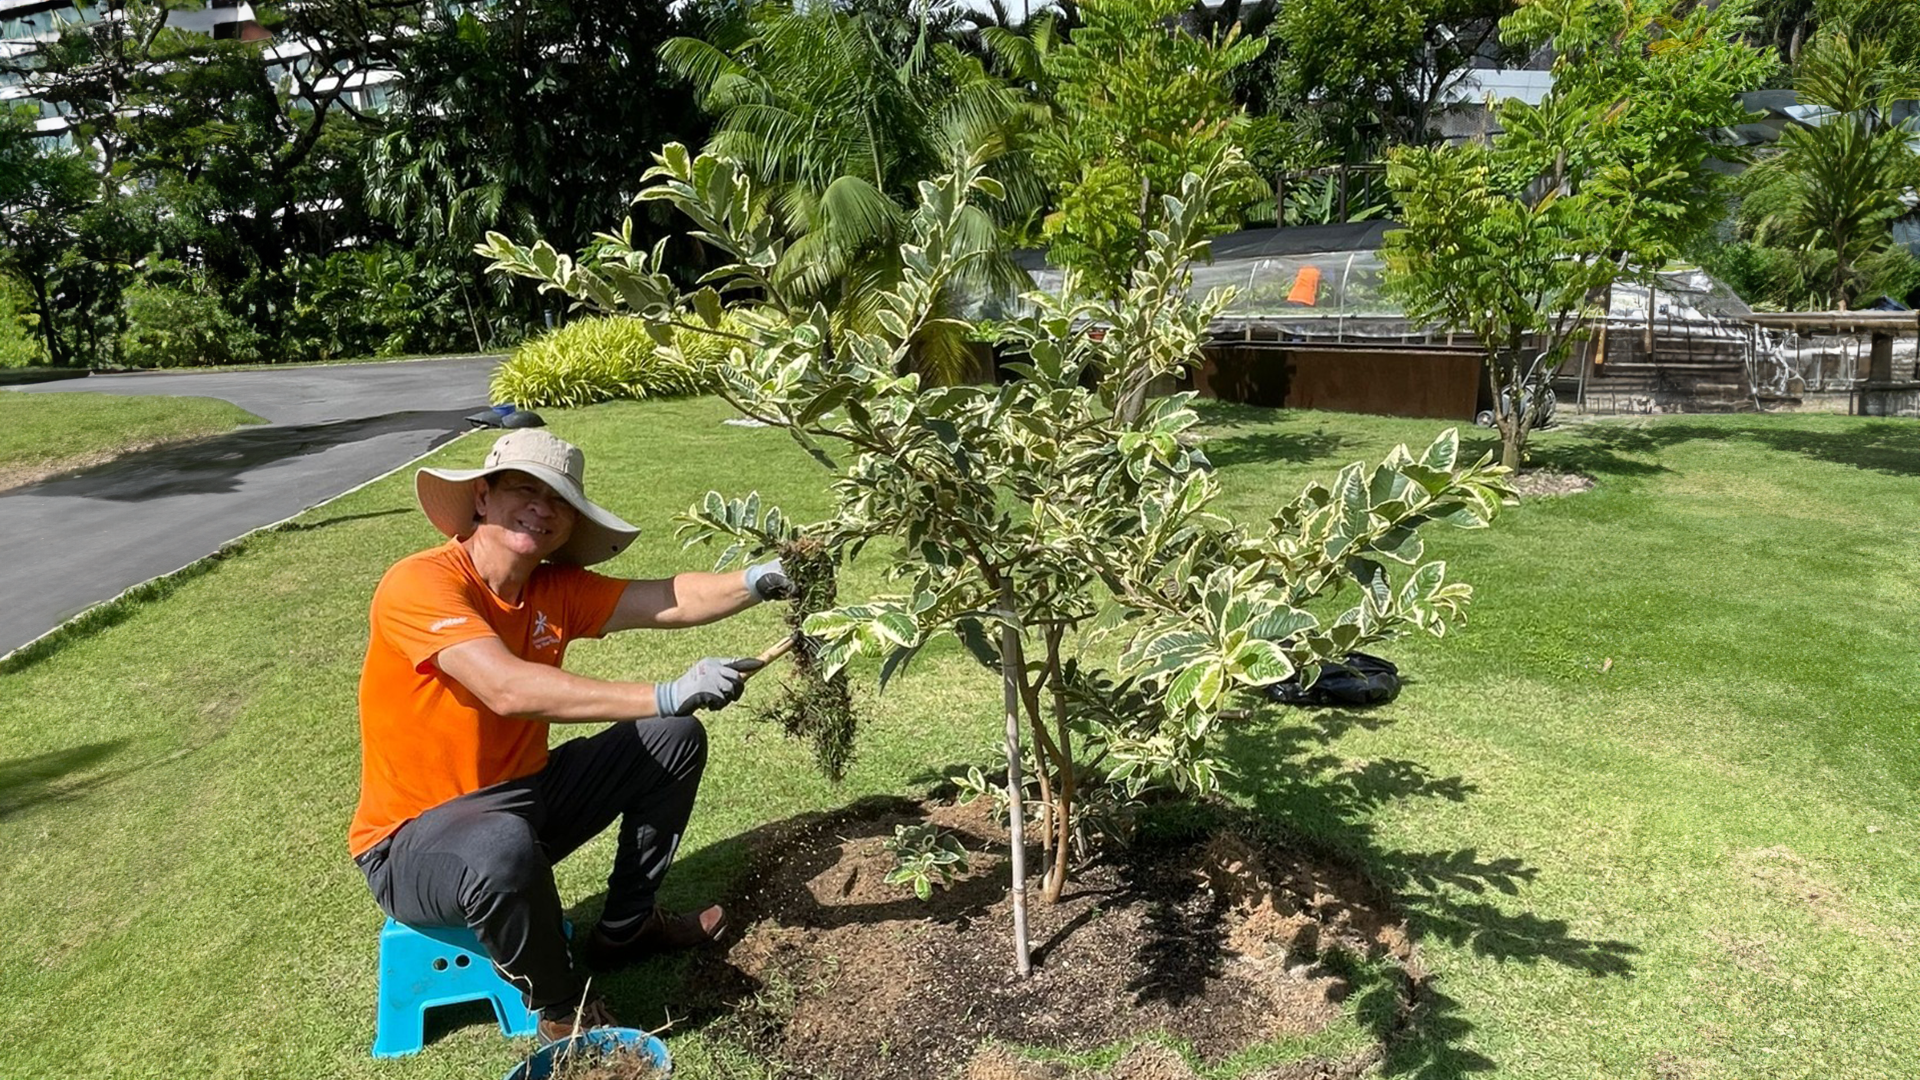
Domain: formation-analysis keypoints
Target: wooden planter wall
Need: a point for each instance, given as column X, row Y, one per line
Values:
column 1407, row 380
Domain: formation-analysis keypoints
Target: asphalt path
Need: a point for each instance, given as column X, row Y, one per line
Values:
column 75, row 540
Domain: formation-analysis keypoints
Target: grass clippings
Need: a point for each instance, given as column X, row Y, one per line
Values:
column 619, row 1063
column 813, row 706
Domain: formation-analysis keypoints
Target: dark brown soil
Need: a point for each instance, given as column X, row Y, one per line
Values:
column 1220, row 942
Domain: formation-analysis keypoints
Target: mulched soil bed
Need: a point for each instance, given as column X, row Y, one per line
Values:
column 1534, row 483
column 1220, row 942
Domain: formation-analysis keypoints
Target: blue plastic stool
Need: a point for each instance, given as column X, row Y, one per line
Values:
column 426, row 966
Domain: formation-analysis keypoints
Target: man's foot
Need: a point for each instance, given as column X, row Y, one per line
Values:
column 563, row 1021
column 661, row 932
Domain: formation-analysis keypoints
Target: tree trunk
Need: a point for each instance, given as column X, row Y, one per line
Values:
column 1030, row 698
column 1511, row 421
column 1513, row 428
column 56, row 355
column 1063, row 794
column 1649, row 331
column 1838, row 294
column 1011, row 677
column 1133, row 402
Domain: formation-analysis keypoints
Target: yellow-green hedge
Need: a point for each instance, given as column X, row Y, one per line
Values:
column 603, row 358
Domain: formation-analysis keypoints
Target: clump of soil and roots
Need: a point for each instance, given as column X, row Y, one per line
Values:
column 1220, row 942
column 812, row 705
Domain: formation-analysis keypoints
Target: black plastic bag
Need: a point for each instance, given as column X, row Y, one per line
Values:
column 505, row 416
column 1359, row 679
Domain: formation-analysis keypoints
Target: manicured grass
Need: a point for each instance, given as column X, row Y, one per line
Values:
column 42, row 435
column 1652, row 810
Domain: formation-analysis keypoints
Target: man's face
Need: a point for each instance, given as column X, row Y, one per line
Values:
column 526, row 514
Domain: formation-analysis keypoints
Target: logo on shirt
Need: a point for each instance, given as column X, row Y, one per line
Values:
column 543, row 634
column 444, row 623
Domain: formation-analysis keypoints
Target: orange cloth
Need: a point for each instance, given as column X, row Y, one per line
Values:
column 423, row 738
column 1306, row 287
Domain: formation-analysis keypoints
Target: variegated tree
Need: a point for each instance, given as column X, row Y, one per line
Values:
column 1073, row 552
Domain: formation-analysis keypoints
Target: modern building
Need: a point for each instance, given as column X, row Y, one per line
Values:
column 28, row 25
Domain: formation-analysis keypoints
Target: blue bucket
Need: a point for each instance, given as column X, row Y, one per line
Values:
column 589, row 1045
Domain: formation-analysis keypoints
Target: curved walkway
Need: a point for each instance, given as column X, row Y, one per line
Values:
column 76, row 540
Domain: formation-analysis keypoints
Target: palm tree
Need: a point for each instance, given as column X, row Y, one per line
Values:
column 839, row 116
column 1836, row 183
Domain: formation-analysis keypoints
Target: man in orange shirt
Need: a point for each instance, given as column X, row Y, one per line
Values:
column 463, row 810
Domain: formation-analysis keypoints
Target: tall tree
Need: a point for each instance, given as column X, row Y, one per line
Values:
column 215, row 153
column 1138, row 102
column 1787, row 25
column 521, row 116
column 1658, row 77
column 46, row 189
column 1519, row 272
column 839, row 116
column 1366, row 74
column 253, row 177
column 1836, row 183
column 1518, row 241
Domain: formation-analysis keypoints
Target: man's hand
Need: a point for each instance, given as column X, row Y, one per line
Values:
column 769, row 581
column 713, row 683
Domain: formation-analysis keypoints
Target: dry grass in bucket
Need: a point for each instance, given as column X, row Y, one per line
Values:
column 620, row 1063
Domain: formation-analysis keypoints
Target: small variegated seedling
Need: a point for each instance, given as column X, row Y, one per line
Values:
column 923, row 854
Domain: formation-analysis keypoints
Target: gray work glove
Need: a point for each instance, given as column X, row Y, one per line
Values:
column 769, row 581
column 713, row 683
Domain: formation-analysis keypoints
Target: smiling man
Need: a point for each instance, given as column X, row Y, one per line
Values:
column 463, row 809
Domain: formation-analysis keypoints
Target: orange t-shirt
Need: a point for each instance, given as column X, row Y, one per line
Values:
column 423, row 738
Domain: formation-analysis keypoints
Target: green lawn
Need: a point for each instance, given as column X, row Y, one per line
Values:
column 1698, row 860
column 42, row 435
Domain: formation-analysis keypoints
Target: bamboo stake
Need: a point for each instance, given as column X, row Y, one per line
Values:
column 771, row 654
column 1016, row 813
column 776, row 652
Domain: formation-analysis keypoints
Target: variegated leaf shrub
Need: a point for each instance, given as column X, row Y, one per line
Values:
column 1074, row 552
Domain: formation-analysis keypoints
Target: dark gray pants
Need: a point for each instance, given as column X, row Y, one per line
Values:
column 485, row 860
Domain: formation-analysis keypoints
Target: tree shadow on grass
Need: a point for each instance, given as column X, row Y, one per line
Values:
column 1590, row 449
column 1240, row 434
column 1588, row 452
column 1891, row 447
column 340, row 519
column 1288, row 769
column 37, row 778
column 217, row 463
column 1293, row 448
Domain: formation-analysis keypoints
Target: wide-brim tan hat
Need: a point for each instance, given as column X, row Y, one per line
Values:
column 447, row 494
